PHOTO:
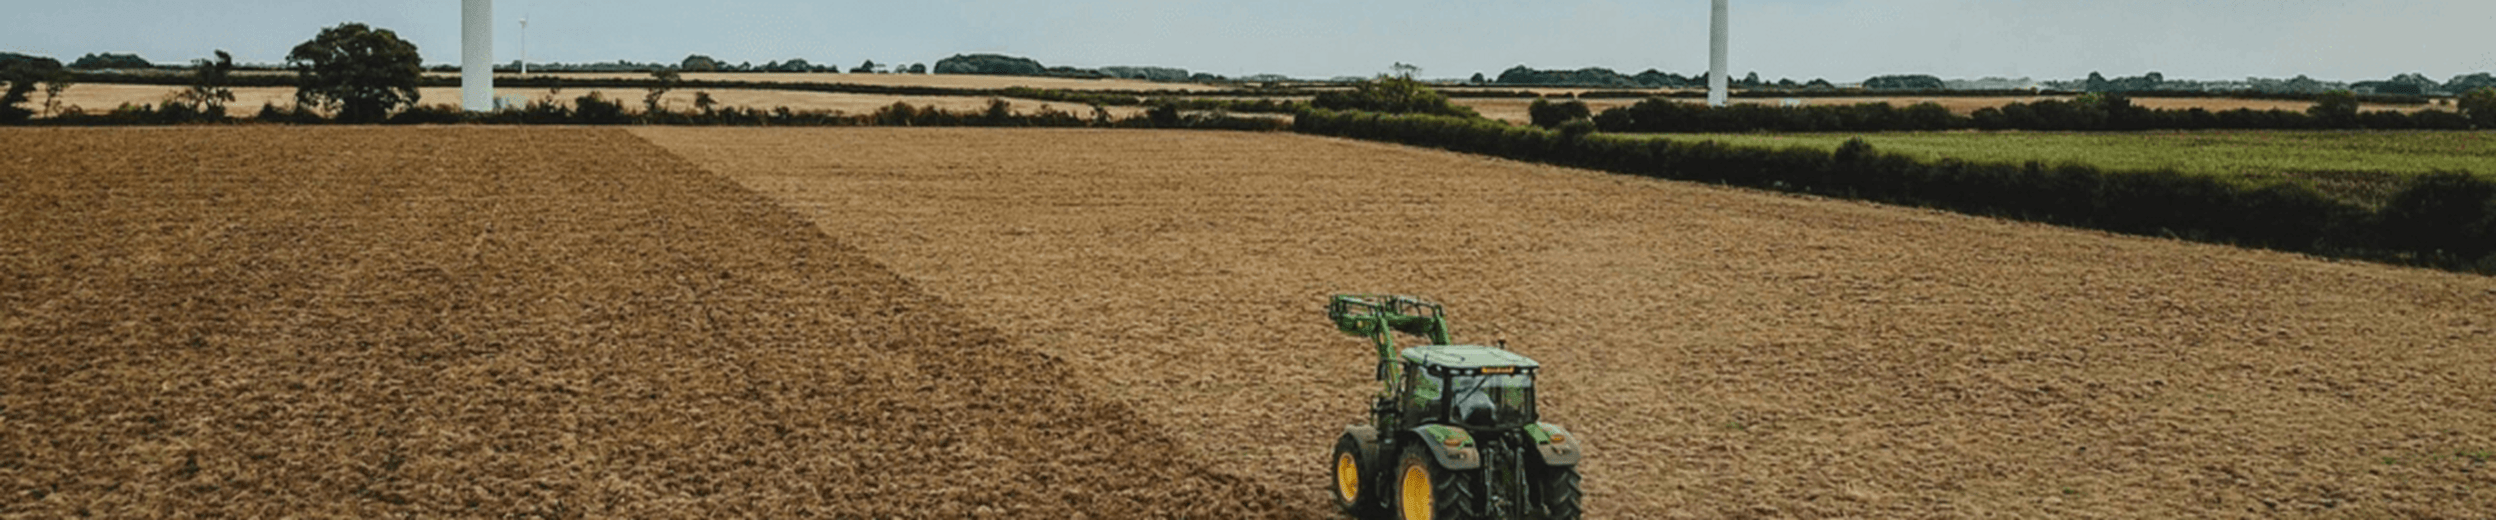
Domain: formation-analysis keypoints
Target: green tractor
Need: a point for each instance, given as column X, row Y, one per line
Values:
column 1453, row 433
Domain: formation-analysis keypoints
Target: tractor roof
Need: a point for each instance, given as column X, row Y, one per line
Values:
column 1466, row 356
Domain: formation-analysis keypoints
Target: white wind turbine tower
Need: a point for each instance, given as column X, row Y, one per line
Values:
column 476, row 49
column 1719, row 24
column 524, row 45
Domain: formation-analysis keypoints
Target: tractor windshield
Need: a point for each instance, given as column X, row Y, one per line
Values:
column 1495, row 402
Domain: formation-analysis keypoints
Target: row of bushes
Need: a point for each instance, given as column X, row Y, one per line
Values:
column 2115, row 112
column 2378, row 99
column 2095, row 112
column 594, row 109
column 559, row 82
column 2443, row 219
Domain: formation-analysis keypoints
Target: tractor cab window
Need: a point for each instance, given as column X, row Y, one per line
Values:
column 1421, row 393
column 1421, row 388
column 1498, row 401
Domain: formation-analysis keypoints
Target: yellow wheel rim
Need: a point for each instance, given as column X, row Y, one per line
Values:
column 1347, row 477
column 1416, row 484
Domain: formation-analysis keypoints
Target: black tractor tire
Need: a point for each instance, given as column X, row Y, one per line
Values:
column 1450, row 493
column 1364, row 501
column 1557, row 488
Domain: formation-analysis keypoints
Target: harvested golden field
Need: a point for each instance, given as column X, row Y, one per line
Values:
column 1726, row 353
column 545, row 322
column 102, row 97
column 247, row 100
column 1561, row 91
column 976, row 81
column 1514, row 109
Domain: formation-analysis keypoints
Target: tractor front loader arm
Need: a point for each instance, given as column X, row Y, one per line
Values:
column 1379, row 316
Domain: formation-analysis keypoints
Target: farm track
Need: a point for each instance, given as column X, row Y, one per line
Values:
column 359, row 322
column 1726, row 353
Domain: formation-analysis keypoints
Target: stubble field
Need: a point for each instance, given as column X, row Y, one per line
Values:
column 248, row 100
column 1726, row 353
column 545, row 322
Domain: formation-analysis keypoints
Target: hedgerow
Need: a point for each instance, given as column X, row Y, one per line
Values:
column 595, row 109
column 2439, row 220
column 2089, row 113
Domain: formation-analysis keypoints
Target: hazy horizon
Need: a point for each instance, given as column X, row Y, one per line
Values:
column 1840, row 40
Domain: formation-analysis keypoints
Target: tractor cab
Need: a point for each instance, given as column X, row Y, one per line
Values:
column 1468, row 386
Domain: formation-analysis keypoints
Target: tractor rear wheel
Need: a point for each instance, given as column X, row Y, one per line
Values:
column 1426, row 491
column 1556, row 487
column 1352, row 491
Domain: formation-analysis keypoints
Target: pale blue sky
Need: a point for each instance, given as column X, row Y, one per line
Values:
column 1843, row 40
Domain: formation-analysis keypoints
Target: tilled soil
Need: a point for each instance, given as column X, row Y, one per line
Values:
column 556, row 323
column 1726, row 353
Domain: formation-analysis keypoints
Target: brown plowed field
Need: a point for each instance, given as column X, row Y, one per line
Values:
column 1726, row 353
column 383, row 323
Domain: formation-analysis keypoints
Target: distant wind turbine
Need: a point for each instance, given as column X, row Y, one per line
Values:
column 1719, row 25
column 476, row 68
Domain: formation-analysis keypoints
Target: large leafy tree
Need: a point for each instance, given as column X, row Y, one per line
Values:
column 362, row 72
column 21, row 73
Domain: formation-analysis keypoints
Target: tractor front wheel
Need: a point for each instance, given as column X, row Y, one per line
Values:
column 1426, row 491
column 1352, row 491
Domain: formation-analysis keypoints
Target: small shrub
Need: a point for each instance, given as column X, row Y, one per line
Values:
column 1163, row 115
column 593, row 109
column 2335, row 109
column 1546, row 114
column 429, row 115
